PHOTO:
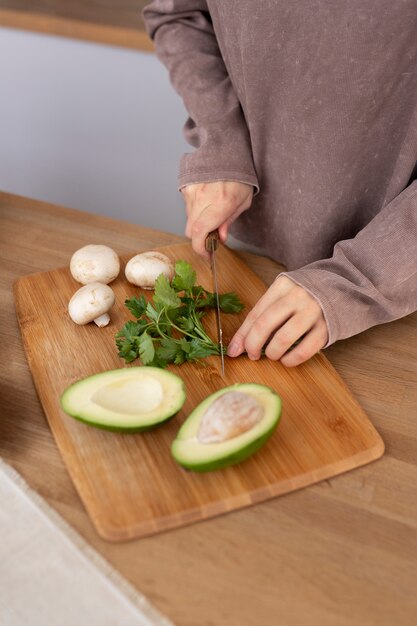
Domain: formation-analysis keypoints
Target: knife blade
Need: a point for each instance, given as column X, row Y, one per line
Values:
column 212, row 241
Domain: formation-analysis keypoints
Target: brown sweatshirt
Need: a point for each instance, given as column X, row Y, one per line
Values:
column 315, row 104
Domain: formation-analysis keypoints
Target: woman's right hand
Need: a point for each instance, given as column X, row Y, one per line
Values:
column 213, row 205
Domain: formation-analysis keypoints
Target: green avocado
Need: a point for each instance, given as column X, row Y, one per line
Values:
column 195, row 446
column 129, row 399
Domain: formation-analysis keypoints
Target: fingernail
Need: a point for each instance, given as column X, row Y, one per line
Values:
column 253, row 357
column 233, row 349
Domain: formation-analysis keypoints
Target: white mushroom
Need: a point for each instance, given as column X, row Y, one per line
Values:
column 94, row 263
column 91, row 303
column 143, row 269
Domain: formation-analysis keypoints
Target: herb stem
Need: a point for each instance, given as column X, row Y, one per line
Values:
column 183, row 332
column 157, row 323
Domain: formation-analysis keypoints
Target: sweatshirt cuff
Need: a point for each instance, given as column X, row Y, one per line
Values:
column 223, row 150
column 191, row 178
column 350, row 304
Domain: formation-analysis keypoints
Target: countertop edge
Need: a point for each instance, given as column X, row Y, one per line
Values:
column 132, row 38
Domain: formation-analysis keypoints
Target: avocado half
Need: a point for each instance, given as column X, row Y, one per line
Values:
column 129, row 399
column 189, row 452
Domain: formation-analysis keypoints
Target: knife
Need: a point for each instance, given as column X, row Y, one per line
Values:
column 212, row 241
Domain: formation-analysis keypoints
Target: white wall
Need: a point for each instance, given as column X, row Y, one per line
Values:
column 92, row 127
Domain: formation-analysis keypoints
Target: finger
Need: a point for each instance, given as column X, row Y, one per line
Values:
column 197, row 229
column 265, row 328
column 188, row 198
column 277, row 290
column 224, row 231
column 312, row 343
column 295, row 327
column 208, row 220
column 212, row 216
column 188, row 229
column 194, row 214
column 224, row 228
column 188, row 210
column 198, row 241
column 253, row 335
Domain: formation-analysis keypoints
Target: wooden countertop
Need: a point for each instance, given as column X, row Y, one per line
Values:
column 340, row 553
column 115, row 22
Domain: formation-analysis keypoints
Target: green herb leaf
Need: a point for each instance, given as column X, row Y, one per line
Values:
column 129, row 330
column 127, row 350
column 198, row 350
column 202, row 298
column 130, row 356
column 185, row 276
column 136, row 306
column 180, row 357
column 173, row 314
column 151, row 312
column 158, row 361
column 208, row 302
column 186, row 324
column 168, row 349
column 146, row 348
column 230, row 303
column 165, row 294
column 184, row 344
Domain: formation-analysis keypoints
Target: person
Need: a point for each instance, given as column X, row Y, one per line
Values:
column 303, row 117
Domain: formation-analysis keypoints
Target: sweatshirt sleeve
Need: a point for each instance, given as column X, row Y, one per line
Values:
column 372, row 278
column 186, row 43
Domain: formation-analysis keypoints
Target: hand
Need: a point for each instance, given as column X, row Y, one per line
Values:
column 285, row 313
column 213, row 205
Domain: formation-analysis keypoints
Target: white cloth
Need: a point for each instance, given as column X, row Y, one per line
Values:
column 49, row 576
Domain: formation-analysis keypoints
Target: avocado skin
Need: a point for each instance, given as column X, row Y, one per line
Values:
column 127, row 430
column 232, row 459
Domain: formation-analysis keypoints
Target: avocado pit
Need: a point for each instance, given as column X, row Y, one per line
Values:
column 230, row 415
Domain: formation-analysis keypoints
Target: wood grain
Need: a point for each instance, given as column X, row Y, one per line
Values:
column 101, row 21
column 130, row 485
column 342, row 552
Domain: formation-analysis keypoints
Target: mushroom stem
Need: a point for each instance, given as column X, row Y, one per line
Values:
column 102, row 320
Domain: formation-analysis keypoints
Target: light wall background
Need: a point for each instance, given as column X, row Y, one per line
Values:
column 92, row 127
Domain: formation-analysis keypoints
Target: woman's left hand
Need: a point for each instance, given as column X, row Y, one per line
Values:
column 285, row 313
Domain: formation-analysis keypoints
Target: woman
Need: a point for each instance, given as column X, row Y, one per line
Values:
column 304, row 120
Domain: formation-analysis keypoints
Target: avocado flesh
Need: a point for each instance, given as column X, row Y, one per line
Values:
column 125, row 400
column 189, row 452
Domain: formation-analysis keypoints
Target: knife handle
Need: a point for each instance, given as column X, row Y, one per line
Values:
column 212, row 240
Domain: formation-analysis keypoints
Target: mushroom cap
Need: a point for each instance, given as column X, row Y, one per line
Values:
column 89, row 302
column 143, row 269
column 95, row 263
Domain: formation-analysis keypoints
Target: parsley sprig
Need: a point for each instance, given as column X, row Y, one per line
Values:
column 168, row 328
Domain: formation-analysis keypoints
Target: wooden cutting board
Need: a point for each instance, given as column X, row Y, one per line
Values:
column 130, row 485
